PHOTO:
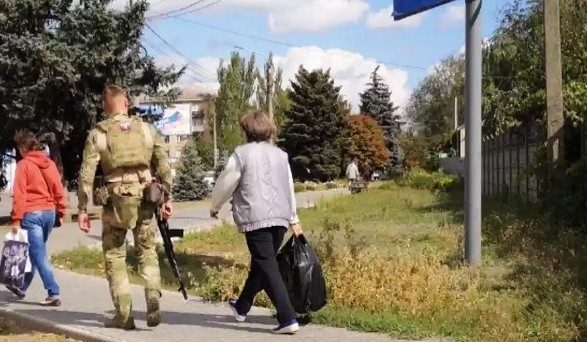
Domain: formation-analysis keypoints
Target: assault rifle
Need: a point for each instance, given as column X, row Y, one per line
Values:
column 154, row 194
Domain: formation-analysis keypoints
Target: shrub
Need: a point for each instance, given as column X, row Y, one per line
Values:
column 331, row 185
column 311, row 186
column 420, row 179
column 379, row 290
column 299, row 187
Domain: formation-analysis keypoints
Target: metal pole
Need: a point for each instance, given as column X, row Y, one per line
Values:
column 215, row 139
column 134, row 99
column 456, row 113
column 473, row 121
column 270, row 88
column 554, row 93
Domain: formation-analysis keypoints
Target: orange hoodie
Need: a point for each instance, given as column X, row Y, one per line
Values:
column 37, row 186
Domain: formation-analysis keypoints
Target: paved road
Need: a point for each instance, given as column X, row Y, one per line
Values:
column 86, row 301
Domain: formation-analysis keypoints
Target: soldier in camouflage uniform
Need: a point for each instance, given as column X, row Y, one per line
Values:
column 126, row 148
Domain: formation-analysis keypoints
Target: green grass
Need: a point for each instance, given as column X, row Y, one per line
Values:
column 393, row 263
column 11, row 331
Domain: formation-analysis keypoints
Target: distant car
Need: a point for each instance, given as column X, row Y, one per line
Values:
column 375, row 176
column 209, row 178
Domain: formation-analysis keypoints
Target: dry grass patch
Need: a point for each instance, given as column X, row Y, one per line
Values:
column 11, row 331
column 392, row 258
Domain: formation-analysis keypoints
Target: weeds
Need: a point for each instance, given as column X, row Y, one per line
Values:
column 393, row 263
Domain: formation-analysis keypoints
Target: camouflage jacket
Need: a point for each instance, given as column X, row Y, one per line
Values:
column 92, row 156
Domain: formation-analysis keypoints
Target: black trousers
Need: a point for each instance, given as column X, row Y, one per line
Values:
column 264, row 273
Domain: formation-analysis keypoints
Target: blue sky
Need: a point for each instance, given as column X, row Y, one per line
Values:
column 349, row 36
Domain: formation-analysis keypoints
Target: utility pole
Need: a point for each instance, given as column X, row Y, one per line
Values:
column 554, row 92
column 215, row 137
column 473, row 158
column 269, row 78
column 134, row 99
column 456, row 113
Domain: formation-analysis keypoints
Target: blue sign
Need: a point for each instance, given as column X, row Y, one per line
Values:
column 405, row 8
column 150, row 109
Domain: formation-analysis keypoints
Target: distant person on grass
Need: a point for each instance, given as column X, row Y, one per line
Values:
column 38, row 198
column 352, row 171
column 258, row 178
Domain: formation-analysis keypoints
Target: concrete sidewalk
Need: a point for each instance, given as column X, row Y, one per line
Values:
column 86, row 305
column 86, row 301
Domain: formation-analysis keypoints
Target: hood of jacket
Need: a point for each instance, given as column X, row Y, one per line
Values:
column 39, row 158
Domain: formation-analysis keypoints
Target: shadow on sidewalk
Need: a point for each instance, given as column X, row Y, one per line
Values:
column 96, row 320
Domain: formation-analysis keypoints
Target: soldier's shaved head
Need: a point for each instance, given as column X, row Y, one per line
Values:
column 114, row 100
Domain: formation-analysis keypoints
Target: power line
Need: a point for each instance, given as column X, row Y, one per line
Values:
column 162, row 53
column 177, row 12
column 273, row 41
column 174, row 49
column 278, row 42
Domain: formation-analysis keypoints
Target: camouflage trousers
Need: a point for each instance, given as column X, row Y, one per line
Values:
column 114, row 249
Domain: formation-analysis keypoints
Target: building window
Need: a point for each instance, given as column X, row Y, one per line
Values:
column 167, row 139
column 198, row 122
column 184, row 137
column 178, row 154
column 198, row 114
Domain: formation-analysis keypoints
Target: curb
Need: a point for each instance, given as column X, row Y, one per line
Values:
column 44, row 325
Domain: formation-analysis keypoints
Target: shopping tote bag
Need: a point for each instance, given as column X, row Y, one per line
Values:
column 15, row 259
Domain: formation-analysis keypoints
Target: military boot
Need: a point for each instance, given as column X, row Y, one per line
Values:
column 120, row 322
column 153, row 309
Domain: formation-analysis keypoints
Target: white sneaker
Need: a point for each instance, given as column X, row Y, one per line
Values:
column 290, row 327
column 232, row 305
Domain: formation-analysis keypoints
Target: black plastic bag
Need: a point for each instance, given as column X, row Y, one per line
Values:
column 302, row 275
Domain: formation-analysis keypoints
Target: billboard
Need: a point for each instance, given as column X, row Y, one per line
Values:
column 175, row 119
column 405, row 8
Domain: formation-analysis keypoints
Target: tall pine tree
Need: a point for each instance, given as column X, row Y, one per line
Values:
column 316, row 131
column 376, row 102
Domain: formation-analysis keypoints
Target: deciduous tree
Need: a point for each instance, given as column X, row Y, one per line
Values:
column 367, row 144
column 431, row 105
column 56, row 56
column 237, row 87
column 281, row 102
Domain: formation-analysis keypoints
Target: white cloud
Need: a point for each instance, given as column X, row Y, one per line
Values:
column 317, row 16
column 382, row 19
column 486, row 43
column 452, row 15
column 349, row 70
column 283, row 16
column 201, row 71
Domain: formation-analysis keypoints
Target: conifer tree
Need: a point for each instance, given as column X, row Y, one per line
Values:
column 189, row 184
column 316, row 131
column 376, row 102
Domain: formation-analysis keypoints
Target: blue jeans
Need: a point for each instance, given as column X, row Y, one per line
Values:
column 39, row 225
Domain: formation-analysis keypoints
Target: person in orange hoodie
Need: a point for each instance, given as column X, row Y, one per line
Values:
column 38, row 205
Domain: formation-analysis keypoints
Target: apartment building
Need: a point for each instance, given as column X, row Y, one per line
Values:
column 181, row 119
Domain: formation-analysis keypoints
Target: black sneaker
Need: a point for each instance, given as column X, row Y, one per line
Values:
column 51, row 301
column 17, row 292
